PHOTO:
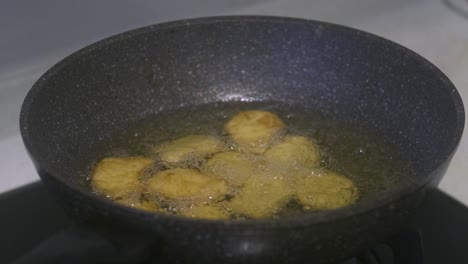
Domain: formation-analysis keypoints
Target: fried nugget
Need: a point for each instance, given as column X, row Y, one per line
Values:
column 262, row 196
column 232, row 166
column 181, row 183
column 294, row 150
column 142, row 205
column 189, row 147
column 205, row 211
column 118, row 177
column 253, row 131
column 325, row 190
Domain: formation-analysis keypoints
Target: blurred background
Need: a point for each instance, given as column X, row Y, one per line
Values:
column 37, row 34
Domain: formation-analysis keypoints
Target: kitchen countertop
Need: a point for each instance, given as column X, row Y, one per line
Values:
column 36, row 35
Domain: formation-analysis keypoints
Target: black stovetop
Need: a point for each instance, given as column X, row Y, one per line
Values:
column 438, row 232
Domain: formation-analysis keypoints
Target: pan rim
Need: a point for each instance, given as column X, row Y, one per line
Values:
column 304, row 220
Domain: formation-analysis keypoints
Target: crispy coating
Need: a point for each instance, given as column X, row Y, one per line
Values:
column 189, row 147
column 253, row 131
column 262, row 196
column 326, row 190
column 205, row 211
column 186, row 184
column 294, row 150
column 235, row 167
column 142, row 205
column 118, row 177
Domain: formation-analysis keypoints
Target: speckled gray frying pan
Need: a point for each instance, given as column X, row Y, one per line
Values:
column 356, row 76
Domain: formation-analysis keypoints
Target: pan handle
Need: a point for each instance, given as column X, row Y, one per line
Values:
column 80, row 244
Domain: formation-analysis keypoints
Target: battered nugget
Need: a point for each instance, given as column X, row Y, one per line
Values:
column 142, row 205
column 234, row 167
column 118, row 177
column 253, row 131
column 262, row 196
column 204, row 211
column 326, row 190
column 294, row 150
column 189, row 147
column 186, row 184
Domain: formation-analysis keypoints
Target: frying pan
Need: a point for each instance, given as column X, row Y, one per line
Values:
column 355, row 76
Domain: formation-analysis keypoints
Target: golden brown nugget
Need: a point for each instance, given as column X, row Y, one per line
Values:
column 326, row 190
column 142, row 205
column 262, row 196
column 189, row 147
column 117, row 177
column 254, row 131
column 205, row 211
column 294, row 151
column 232, row 166
column 181, row 183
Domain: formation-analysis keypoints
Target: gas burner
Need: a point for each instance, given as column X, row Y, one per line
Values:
column 406, row 247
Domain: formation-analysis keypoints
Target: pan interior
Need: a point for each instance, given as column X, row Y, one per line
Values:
column 371, row 163
column 85, row 100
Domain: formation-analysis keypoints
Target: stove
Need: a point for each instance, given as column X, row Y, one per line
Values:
column 31, row 221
